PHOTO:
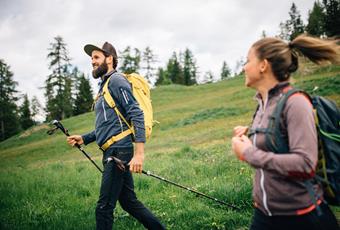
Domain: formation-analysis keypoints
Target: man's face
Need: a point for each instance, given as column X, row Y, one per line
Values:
column 99, row 64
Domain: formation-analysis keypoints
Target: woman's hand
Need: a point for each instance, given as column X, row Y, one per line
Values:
column 239, row 145
column 240, row 130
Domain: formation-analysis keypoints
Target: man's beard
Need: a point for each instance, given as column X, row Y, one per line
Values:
column 100, row 71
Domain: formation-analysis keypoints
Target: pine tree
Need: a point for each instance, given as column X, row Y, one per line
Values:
column 175, row 70
column 296, row 22
column 25, row 114
column 9, row 124
column 332, row 18
column 239, row 66
column 293, row 26
column 225, row 72
column 130, row 61
column 84, row 96
column 189, row 68
column 58, row 86
column 68, row 94
column 316, row 20
column 35, row 108
column 162, row 77
column 284, row 31
column 149, row 59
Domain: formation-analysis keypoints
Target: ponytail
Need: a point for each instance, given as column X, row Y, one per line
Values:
column 283, row 57
column 317, row 50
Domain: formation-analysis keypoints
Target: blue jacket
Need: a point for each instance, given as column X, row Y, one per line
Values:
column 108, row 123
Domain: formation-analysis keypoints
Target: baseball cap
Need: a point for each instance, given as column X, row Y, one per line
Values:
column 107, row 49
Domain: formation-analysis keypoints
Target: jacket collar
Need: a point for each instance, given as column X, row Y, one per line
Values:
column 274, row 91
column 105, row 77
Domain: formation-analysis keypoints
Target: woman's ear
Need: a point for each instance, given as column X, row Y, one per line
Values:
column 264, row 65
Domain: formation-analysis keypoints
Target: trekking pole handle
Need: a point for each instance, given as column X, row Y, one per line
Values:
column 65, row 131
column 61, row 127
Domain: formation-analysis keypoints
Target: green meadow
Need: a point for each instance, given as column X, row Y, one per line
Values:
column 46, row 184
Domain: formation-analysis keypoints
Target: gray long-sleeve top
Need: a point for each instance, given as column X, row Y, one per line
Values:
column 108, row 123
column 278, row 187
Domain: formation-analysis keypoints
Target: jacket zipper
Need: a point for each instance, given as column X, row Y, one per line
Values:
column 104, row 111
column 264, row 196
column 264, row 193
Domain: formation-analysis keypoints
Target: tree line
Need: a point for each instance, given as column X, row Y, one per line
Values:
column 68, row 92
column 323, row 21
column 181, row 68
column 66, row 89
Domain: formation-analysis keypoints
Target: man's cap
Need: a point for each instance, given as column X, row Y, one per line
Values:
column 107, row 49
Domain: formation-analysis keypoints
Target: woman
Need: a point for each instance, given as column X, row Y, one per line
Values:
column 281, row 198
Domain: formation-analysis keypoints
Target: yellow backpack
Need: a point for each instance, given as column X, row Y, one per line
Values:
column 141, row 91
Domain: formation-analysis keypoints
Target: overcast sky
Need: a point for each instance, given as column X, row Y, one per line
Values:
column 214, row 30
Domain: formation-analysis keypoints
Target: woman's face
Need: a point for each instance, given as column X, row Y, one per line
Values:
column 252, row 69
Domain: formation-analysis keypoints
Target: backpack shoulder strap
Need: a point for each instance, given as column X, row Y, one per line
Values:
column 110, row 101
column 106, row 94
column 274, row 140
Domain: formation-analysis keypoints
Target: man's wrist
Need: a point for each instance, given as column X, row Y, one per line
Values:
column 139, row 149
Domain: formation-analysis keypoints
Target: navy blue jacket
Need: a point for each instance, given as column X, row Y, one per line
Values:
column 108, row 123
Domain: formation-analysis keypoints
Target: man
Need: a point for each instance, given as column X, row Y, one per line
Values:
column 117, row 183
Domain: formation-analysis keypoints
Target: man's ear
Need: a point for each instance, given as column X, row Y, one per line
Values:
column 264, row 65
column 109, row 60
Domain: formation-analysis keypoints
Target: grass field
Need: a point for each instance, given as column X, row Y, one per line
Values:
column 45, row 184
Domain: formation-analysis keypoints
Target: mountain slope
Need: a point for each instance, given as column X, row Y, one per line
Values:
column 45, row 184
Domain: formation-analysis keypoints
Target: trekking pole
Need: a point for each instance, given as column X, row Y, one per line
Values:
column 148, row 173
column 120, row 165
column 58, row 125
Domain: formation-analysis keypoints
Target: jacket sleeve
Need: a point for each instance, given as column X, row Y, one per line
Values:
column 122, row 93
column 89, row 137
column 301, row 160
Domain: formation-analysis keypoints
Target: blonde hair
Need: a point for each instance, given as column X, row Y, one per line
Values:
column 283, row 56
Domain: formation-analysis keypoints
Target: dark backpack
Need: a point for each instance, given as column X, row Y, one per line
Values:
column 328, row 128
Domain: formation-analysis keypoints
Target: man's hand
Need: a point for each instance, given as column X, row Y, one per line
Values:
column 239, row 145
column 136, row 163
column 75, row 139
column 240, row 130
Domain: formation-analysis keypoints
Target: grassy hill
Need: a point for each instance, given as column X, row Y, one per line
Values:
column 45, row 184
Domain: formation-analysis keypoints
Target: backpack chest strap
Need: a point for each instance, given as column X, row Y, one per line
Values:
column 259, row 130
